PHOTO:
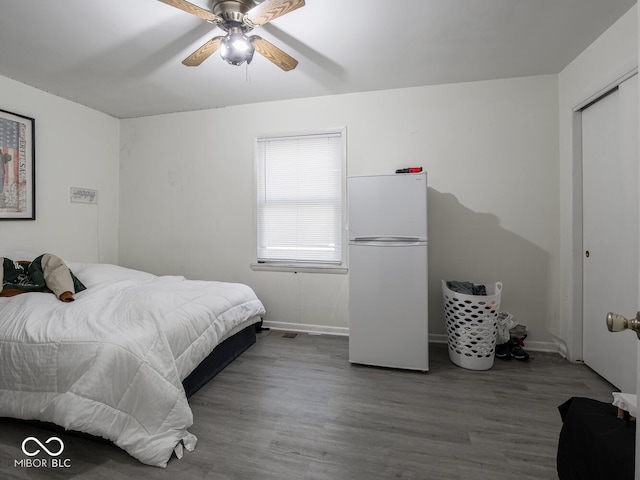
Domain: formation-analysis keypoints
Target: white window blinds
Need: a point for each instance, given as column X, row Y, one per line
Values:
column 299, row 211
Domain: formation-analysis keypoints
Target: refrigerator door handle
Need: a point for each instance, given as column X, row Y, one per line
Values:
column 388, row 241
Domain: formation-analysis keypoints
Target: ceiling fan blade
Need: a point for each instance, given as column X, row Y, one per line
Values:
column 273, row 54
column 192, row 9
column 270, row 9
column 204, row 52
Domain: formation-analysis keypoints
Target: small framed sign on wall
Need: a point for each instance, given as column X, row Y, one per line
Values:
column 17, row 167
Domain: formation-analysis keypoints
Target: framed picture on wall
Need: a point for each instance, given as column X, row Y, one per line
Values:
column 17, row 167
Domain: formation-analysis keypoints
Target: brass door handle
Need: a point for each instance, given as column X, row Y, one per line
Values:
column 618, row 323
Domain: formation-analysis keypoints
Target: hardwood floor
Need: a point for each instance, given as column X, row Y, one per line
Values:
column 294, row 408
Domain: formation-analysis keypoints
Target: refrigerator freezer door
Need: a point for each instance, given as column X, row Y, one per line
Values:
column 388, row 324
column 388, row 205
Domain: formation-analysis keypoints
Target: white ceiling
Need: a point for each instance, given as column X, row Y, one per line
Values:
column 123, row 57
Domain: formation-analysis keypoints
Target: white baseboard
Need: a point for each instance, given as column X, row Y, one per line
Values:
column 437, row 338
column 548, row 347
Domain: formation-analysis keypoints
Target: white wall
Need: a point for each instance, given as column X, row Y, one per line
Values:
column 75, row 146
column 491, row 150
column 501, row 155
column 610, row 57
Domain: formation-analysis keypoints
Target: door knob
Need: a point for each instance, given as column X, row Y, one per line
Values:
column 617, row 323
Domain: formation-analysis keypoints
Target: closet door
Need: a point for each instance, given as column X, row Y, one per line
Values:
column 610, row 235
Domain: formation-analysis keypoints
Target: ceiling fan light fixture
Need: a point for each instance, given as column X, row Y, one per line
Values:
column 236, row 48
column 237, row 18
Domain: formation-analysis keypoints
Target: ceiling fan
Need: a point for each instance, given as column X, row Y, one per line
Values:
column 237, row 18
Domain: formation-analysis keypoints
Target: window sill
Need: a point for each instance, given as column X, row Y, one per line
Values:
column 295, row 268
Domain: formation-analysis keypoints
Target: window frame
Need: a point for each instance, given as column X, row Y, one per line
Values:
column 307, row 267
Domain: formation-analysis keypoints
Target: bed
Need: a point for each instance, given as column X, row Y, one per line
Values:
column 120, row 361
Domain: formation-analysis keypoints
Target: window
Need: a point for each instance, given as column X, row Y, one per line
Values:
column 300, row 185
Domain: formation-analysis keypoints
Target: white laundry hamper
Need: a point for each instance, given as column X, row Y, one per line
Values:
column 472, row 325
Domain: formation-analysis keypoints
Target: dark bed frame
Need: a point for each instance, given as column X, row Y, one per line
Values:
column 221, row 356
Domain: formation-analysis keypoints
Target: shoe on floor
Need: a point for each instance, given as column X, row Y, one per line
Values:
column 503, row 351
column 518, row 352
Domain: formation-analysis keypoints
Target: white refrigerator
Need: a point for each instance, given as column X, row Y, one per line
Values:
column 388, row 319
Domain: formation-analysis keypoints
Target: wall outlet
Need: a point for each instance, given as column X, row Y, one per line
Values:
column 83, row 195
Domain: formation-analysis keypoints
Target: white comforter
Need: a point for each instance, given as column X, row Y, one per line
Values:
column 111, row 363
